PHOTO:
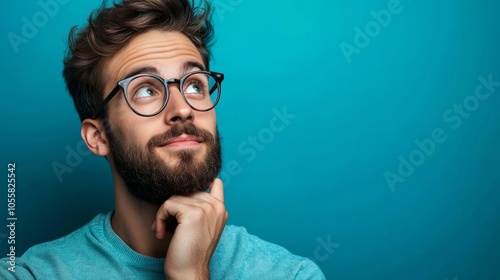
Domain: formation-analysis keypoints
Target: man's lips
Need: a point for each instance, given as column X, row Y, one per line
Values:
column 182, row 141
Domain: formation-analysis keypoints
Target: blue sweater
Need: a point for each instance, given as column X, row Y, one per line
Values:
column 96, row 252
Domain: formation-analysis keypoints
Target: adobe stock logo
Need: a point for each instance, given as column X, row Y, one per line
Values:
column 221, row 7
column 454, row 117
column 256, row 143
column 32, row 25
column 363, row 37
column 72, row 160
column 324, row 249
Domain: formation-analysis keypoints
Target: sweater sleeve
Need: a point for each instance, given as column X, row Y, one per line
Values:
column 310, row 271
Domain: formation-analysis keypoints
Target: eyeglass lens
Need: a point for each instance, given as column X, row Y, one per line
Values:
column 147, row 94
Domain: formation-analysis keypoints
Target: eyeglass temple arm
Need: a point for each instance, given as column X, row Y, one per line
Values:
column 220, row 78
column 105, row 101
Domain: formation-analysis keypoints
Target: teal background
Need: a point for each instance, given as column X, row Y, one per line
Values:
column 322, row 177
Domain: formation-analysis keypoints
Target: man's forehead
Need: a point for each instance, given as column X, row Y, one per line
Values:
column 186, row 67
column 165, row 50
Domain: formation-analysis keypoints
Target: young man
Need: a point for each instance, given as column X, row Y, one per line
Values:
column 140, row 80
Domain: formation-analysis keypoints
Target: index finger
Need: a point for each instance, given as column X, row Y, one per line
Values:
column 217, row 189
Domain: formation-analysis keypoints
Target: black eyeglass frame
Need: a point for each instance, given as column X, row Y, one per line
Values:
column 123, row 85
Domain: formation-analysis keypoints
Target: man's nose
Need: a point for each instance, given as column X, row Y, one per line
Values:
column 177, row 109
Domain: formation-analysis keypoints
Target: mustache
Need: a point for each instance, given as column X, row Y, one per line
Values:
column 176, row 131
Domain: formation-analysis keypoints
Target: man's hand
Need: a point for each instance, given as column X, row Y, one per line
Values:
column 201, row 219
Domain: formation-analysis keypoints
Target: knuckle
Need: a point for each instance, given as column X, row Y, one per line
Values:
column 197, row 212
column 166, row 205
column 220, row 207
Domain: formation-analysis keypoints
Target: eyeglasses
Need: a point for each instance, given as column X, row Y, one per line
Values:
column 147, row 94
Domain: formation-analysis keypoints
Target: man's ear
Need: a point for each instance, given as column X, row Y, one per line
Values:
column 93, row 134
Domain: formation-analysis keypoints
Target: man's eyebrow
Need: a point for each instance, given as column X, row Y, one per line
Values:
column 188, row 66
column 142, row 70
column 185, row 68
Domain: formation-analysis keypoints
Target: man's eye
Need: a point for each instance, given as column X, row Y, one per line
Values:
column 194, row 88
column 144, row 92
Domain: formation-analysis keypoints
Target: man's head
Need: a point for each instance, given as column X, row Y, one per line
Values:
column 175, row 152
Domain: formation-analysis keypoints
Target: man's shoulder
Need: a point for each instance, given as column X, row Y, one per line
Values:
column 59, row 257
column 244, row 254
column 72, row 243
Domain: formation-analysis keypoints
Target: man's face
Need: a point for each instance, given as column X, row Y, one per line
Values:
column 176, row 152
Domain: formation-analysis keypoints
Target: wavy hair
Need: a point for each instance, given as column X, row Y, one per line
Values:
column 111, row 27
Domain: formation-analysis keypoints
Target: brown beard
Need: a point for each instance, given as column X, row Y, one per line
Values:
column 149, row 179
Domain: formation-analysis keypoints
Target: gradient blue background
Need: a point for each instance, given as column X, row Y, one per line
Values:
column 322, row 177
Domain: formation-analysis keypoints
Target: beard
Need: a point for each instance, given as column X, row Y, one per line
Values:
column 150, row 179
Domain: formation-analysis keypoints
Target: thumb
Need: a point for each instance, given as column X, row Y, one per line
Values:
column 217, row 189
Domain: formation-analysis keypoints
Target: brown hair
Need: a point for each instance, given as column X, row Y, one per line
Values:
column 109, row 29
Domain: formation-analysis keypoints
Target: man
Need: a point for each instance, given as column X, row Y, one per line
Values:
column 140, row 80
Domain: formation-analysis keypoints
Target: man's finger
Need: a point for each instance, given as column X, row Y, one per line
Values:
column 165, row 217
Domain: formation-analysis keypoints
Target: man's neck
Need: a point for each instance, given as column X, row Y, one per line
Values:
column 132, row 221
